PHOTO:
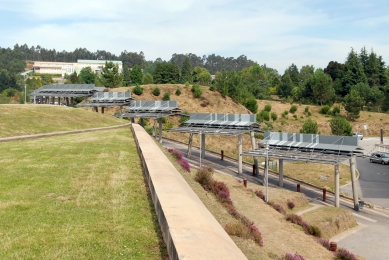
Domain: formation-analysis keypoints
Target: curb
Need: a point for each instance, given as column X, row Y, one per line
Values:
column 36, row 136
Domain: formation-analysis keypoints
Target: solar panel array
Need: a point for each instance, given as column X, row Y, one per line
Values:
column 111, row 97
column 237, row 121
column 67, row 88
column 152, row 106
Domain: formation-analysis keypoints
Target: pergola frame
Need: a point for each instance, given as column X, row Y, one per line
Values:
column 47, row 93
column 220, row 124
column 152, row 110
column 311, row 148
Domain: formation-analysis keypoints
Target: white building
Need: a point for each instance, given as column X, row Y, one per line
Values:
column 47, row 67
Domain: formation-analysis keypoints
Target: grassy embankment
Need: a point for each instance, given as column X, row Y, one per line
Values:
column 79, row 196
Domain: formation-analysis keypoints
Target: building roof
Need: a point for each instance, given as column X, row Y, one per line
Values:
column 100, row 61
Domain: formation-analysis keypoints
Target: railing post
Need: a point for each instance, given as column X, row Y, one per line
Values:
column 253, row 169
column 245, row 182
column 222, row 154
column 324, row 194
column 298, row 187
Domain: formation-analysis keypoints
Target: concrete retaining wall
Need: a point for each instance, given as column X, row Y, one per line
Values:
column 189, row 229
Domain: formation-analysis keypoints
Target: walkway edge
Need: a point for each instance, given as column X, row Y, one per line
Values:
column 189, row 230
column 26, row 137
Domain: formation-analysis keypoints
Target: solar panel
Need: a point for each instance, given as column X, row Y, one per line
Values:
column 230, row 120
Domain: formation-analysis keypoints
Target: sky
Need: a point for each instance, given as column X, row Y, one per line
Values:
column 276, row 32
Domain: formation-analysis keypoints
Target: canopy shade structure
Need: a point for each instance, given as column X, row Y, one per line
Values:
column 152, row 109
column 220, row 124
column 106, row 99
column 324, row 149
column 65, row 90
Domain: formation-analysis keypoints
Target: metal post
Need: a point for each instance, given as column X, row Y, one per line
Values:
column 240, row 154
column 190, row 145
column 337, row 185
column 200, row 148
column 281, row 173
column 298, row 187
column 102, row 110
column 34, row 99
column 353, row 182
column 203, row 146
column 324, row 194
column 222, row 155
column 25, row 93
column 267, row 172
column 154, row 127
column 160, row 130
column 254, row 146
column 382, row 136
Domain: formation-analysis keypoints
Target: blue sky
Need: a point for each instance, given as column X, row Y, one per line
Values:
column 277, row 32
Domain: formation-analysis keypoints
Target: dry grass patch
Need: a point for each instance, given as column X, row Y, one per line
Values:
column 330, row 220
column 314, row 173
column 18, row 119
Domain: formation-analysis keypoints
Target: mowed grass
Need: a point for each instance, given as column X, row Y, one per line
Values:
column 18, row 119
column 80, row 196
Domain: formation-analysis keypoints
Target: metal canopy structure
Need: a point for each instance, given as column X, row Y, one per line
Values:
column 47, row 92
column 108, row 99
column 152, row 109
column 314, row 148
column 220, row 124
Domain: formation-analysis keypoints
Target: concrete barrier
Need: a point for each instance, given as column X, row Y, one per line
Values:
column 189, row 230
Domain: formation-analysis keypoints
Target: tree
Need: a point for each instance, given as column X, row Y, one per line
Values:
column 309, row 127
column 363, row 90
column 201, row 76
column 186, row 71
column 136, row 75
column 87, row 76
column 322, row 87
column 138, row 90
column 156, row 91
column 353, row 74
column 286, row 85
column 111, row 77
column 294, row 74
column 305, row 72
column 148, row 79
column 126, row 75
column 340, row 126
column 353, row 103
column 166, row 73
column 166, row 96
column 251, row 104
column 336, row 71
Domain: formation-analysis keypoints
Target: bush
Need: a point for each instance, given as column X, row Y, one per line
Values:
column 295, row 116
column 314, row 231
column 187, row 84
column 204, row 176
column 138, row 90
column 309, row 113
column 265, row 115
column 343, row 254
column 180, row 159
column 260, row 194
column 309, row 127
column 156, row 91
column 325, row 243
column 252, row 105
column 285, row 114
column 336, row 110
column 197, row 91
column 293, row 109
column 267, row 107
column 306, row 109
column 291, row 204
column 175, row 153
column 163, row 120
column 278, row 207
column 178, row 92
column 269, row 125
column 324, row 109
column 258, row 136
column 166, row 96
column 273, row 116
column 212, row 88
column 289, row 256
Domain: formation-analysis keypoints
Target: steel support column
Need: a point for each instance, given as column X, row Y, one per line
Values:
column 337, row 185
column 202, row 146
column 254, row 146
column 281, row 172
column 102, row 110
column 189, row 153
column 154, row 127
column 160, row 130
column 353, row 182
column 240, row 154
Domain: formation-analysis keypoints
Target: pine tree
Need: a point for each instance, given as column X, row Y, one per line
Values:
column 286, row 85
column 353, row 103
column 186, row 71
column 136, row 75
column 353, row 73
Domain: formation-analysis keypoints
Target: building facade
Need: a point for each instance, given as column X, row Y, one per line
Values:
column 47, row 67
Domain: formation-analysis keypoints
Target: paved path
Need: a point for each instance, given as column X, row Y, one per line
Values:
column 369, row 239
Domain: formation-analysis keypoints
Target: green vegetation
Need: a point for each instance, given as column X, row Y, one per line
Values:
column 340, row 126
column 38, row 119
column 197, row 91
column 137, row 90
column 156, row 91
column 166, row 96
column 309, row 127
column 78, row 196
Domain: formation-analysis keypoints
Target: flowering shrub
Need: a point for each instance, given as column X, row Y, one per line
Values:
column 260, row 194
column 291, row 204
column 179, row 159
column 278, row 207
column 204, row 177
column 324, row 242
column 289, row 256
column 299, row 221
column 343, row 254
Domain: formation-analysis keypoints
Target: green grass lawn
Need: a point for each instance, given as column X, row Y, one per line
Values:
column 18, row 119
column 78, row 196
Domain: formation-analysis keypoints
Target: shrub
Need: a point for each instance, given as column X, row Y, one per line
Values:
column 299, row 221
column 324, row 109
column 269, row 125
column 289, row 256
column 267, row 107
column 187, row 84
column 204, row 176
column 278, row 207
column 180, row 159
column 314, row 231
column 329, row 112
column 309, row 127
column 336, row 110
column 295, row 116
column 197, row 91
column 251, row 104
column 291, row 204
column 260, row 194
column 138, row 90
column 273, row 116
column 293, row 109
column 178, row 92
column 265, row 115
column 212, row 88
column 306, row 109
column 163, row 120
column 343, row 254
column 309, row 113
column 166, row 96
column 184, row 118
column 176, row 154
column 184, row 164
column 325, row 243
column 258, row 136
column 237, row 229
column 156, row 91
column 285, row 114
